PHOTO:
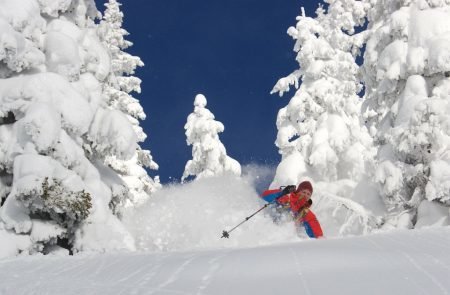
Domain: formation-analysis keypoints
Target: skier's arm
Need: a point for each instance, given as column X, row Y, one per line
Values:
column 271, row 196
column 283, row 200
column 285, row 196
column 299, row 203
column 275, row 195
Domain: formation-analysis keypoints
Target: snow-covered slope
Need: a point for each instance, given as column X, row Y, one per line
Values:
column 399, row 262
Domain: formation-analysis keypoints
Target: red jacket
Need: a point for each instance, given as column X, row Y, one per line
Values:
column 294, row 201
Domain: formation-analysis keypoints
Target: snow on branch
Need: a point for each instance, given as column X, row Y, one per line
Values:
column 283, row 85
column 355, row 215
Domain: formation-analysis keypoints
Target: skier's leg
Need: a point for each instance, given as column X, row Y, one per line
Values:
column 312, row 225
column 309, row 230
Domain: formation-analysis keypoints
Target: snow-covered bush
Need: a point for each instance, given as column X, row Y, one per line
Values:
column 209, row 156
column 59, row 130
column 53, row 201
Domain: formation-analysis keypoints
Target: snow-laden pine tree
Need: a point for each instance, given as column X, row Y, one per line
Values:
column 117, row 88
column 320, row 133
column 58, row 129
column 209, row 156
column 120, row 81
column 406, row 66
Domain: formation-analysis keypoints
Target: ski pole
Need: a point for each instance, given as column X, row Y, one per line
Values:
column 226, row 234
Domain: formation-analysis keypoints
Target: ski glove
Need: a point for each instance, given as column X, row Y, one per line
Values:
column 288, row 189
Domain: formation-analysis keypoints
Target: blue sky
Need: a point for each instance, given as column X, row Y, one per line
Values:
column 231, row 51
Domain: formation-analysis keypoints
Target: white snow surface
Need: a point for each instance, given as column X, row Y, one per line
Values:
column 399, row 262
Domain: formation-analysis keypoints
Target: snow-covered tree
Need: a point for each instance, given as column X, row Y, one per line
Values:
column 320, row 131
column 406, row 65
column 58, row 129
column 209, row 156
column 117, row 88
column 120, row 81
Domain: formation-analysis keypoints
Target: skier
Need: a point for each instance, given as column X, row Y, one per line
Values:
column 299, row 202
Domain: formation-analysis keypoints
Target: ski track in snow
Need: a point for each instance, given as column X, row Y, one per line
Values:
column 143, row 282
column 389, row 262
column 426, row 273
column 415, row 263
column 173, row 277
column 299, row 271
column 402, row 262
column 214, row 266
